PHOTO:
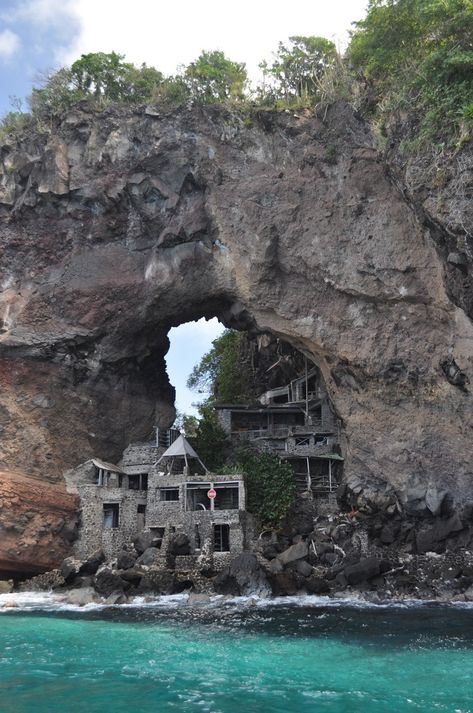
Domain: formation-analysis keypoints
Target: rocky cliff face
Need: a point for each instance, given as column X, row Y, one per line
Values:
column 38, row 524
column 116, row 226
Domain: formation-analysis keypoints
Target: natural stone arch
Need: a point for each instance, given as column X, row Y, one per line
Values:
column 118, row 225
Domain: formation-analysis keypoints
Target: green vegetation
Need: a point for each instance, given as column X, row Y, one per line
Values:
column 208, row 437
column 219, row 372
column 298, row 68
column 214, row 78
column 418, row 57
column 270, row 486
column 411, row 58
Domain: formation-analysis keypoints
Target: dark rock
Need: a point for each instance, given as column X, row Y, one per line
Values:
column 148, row 557
column 316, row 585
column 243, row 576
column 126, row 559
column 143, row 541
column 303, row 568
column 92, row 563
column 365, row 569
column 158, row 581
column 269, row 551
column 70, row 568
column 432, row 539
column 179, row 545
column 106, row 581
column 293, row 553
column 133, row 575
column 284, row 584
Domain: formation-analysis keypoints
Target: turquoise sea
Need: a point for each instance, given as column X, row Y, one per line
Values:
column 237, row 658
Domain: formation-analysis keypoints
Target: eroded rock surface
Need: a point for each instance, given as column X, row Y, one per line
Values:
column 37, row 524
column 116, row 226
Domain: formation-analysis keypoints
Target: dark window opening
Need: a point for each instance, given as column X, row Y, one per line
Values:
column 169, row 495
column 111, row 515
column 227, row 497
column 141, row 516
column 158, row 534
column 138, row 481
column 196, row 496
column 221, row 538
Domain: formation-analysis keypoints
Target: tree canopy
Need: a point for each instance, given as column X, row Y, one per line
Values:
column 215, row 78
column 219, row 372
column 298, row 66
column 419, row 53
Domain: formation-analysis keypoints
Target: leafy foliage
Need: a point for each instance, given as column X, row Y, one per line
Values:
column 270, row 486
column 215, row 78
column 418, row 55
column 208, row 438
column 219, row 372
column 298, row 67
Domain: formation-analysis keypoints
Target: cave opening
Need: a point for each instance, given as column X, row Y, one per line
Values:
column 280, row 400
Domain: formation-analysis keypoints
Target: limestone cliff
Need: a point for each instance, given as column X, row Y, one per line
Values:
column 116, row 226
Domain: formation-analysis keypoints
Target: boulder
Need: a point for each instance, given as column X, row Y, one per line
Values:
column 143, row 541
column 106, row 581
column 116, row 598
column 126, row 559
column 43, row 582
column 303, row 568
column 148, row 557
column 158, row 581
column 92, row 563
column 434, row 499
column 243, row 576
column 284, row 584
column 133, row 575
column 365, row 569
column 81, row 596
column 293, row 553
column 432, row 539
column 275, row 566
column 6, row 586
column 316, row 585
column 70, row 568
column 179, row 544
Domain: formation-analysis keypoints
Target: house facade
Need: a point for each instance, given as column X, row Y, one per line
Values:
column 160, row 491
column 296, row 422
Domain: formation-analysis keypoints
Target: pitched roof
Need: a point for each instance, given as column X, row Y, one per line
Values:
column 180, row 447
column 107, row 466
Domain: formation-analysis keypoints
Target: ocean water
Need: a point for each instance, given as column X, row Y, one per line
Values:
column 236, row 657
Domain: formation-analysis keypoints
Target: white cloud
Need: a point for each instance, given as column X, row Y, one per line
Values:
column 168, row 34
column 41, row 12
column 9, row 44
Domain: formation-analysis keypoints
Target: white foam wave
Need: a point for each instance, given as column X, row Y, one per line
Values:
column 51, row 601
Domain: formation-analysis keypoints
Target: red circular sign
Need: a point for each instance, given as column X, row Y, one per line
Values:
column 211, row 494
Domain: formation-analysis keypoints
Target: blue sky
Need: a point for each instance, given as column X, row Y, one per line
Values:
column 39, row 36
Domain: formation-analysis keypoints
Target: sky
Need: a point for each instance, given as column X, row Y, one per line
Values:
column 39, row 36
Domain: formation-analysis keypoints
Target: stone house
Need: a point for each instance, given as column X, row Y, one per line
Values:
column 161, row 491
column 296, row 422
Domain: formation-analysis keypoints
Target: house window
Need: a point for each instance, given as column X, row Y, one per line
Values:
column 221, row 538
column 169, row 495
column 138, row 481
column 227, row 496
column 111, row 515
column 140, row 517
column 196, row 496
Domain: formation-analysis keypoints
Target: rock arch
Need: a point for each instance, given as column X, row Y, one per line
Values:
column 118, row 225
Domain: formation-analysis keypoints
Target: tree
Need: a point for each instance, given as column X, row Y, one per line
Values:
column 215, row 78
column 421, row 53
column 107, row 76
column 209, row 439
column 299, row 66
column 219, row 372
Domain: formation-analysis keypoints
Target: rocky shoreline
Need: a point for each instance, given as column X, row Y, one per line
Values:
column 377, row 556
